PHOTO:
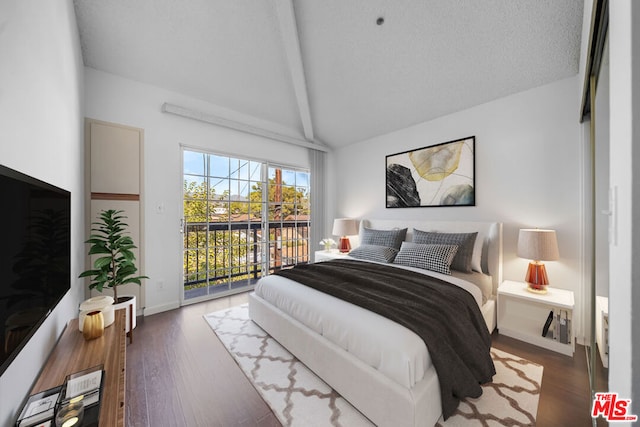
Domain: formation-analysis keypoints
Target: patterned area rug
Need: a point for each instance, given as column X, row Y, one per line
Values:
column 299, row 398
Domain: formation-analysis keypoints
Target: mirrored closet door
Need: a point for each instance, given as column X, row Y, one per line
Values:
column 595, row 111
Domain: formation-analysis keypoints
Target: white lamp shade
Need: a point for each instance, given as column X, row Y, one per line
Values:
column 538, row 245
column 344, row 227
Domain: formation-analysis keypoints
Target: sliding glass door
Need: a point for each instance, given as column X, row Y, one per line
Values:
column 241, row 219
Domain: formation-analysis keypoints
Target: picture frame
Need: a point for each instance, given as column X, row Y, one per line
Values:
column 440, row 175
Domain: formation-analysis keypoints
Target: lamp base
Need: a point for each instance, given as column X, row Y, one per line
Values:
column 536, row 278
column 537, row 289
column 345, row 244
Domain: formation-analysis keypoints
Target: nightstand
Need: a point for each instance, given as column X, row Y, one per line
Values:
column 523, row 314
column 320, row 256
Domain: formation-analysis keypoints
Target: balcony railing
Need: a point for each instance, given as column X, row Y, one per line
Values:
column 239, row 264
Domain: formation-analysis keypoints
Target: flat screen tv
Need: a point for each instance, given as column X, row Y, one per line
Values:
column 35, row 257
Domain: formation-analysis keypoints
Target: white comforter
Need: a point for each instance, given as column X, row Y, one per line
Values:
column 392, row 349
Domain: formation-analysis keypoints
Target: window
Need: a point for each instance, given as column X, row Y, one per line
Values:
column 234, row 231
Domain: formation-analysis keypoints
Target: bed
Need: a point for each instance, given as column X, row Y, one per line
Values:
column 382, row 368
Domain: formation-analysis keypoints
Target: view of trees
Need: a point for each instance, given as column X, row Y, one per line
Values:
column 284, row 201
column 223, row 235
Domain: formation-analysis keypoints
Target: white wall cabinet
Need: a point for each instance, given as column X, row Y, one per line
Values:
column 114, row 180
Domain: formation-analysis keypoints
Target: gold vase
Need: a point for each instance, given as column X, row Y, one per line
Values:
column 93, row 326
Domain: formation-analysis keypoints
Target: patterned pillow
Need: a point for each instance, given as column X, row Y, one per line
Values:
column 464, row 241
column 428, row 257
column 374, row 253
column 388, row 238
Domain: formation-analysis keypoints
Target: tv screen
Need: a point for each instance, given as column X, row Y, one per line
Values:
column 35, row 261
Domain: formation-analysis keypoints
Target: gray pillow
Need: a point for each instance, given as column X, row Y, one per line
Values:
column 464, row 241
column 388, row 238
column 428, row 257
column 374, row 253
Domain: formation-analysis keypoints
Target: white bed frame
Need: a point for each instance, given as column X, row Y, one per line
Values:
column 383, row 401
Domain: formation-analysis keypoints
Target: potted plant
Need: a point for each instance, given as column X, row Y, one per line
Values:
column 115, row 264
column 327, row 243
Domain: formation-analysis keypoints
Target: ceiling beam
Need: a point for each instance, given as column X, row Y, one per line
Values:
column 239, row 126
column 291, row 42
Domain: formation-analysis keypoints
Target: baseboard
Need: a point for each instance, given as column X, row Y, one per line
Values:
column 148, row 311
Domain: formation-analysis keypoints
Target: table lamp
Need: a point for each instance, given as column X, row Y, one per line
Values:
column 344, row 227
column 537, row 245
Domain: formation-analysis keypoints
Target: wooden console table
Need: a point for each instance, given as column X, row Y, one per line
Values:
column 72, row 354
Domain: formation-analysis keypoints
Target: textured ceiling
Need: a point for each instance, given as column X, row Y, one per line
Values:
column 346, row 78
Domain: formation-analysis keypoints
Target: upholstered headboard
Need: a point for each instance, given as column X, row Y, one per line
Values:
column 489, row 239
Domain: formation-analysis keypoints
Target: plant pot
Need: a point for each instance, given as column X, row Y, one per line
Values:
column 104, row 303
column 129, row 303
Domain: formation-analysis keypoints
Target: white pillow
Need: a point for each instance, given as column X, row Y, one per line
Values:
column 476, row 258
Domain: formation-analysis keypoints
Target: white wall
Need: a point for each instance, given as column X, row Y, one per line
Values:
column 624, row 53
column 115, row 99
column 635, row 203
column 528, row 173
column 41, row 135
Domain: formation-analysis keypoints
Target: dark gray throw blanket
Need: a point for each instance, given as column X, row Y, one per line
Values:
column 445, row 316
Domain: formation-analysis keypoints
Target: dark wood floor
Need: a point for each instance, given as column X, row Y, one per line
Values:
column 565, row 399
column 179, row 374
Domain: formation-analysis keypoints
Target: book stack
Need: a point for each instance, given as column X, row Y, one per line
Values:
column 558, row 326
column 41, row 408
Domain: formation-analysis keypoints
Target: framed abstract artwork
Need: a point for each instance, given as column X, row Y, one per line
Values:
column 437, row 175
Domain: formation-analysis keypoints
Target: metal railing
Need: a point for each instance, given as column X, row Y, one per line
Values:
column 287, row 243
